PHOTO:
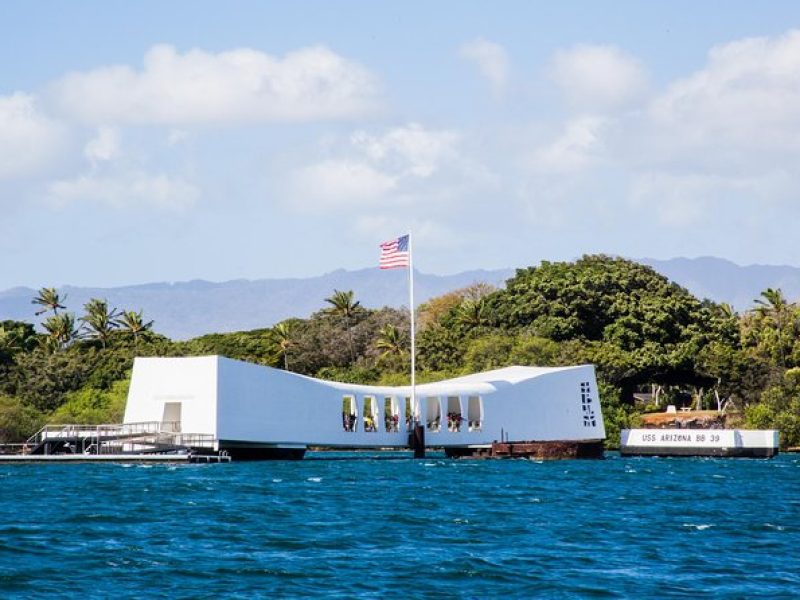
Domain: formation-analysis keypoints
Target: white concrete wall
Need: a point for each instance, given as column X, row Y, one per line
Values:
column 237, row 401
column 260, row 404
column 190, row 381
column 257, row 404
column 544, row 408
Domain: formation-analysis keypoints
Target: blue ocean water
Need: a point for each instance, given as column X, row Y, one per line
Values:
column 376, row 528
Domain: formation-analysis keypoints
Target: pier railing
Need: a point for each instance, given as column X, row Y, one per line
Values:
column 117, row 438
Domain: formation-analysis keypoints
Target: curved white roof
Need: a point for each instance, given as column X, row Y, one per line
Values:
column 478, row 383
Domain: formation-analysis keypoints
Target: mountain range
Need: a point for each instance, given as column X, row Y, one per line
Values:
column 187, row 309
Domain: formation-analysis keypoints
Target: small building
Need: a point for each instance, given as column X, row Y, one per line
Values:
column 253, row 411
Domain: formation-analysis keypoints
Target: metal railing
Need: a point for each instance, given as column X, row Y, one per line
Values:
column 119, row 438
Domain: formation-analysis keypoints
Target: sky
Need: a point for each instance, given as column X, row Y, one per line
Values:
column 169, row 141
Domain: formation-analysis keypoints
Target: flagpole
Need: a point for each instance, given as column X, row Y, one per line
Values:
column 414, row 406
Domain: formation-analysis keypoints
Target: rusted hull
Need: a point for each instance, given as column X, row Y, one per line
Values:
column 550, row 450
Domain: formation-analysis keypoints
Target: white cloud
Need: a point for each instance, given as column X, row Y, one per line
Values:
column 579, row 146
column 369, row 166
column 725, row 137
column 743, row 104
column 131, row 189
column 241, row 85
column 104, row 146
column 28, row 138
column 491, row 60
column 599, row 78
column 338, row 183
column 683, row 199
column 412, row 150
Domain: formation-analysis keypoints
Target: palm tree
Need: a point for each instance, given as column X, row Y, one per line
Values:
column 343, row 305
column 11, row 341
column 282, row 335
column 472, row 313
column 391, row 341
column 16, row 337
column 774, row 308
column 727, row 311
column 48, row 299
column 61, row 330
column 99, row 321
column 133, row 323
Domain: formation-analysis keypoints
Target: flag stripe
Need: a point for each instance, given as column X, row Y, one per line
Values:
column 394, row 253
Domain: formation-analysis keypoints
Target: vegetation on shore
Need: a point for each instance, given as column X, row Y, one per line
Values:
column 643, row 332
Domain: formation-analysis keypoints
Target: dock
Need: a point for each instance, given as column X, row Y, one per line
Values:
column 115, row 458
column 144, row 442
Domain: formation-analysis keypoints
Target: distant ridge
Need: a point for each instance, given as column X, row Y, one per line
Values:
column 187, row 309
column 724, row 281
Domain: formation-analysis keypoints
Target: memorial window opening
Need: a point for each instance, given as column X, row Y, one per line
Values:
column 370, row 414
column 349, row 413
column 454, row 415
column 433, row 414
column 391, row 415
column 475, row 413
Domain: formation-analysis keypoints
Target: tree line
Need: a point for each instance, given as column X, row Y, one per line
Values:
column 641, row 331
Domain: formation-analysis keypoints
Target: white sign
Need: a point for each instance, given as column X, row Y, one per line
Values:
column 703, row 438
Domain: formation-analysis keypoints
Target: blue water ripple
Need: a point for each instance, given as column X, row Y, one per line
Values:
column 372, row 527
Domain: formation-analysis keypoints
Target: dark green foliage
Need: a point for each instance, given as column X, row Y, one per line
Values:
column 488, row 352
column 439, row 348
column 93, row 406
column 779, row 408
column 18, row 420
column 633, row 323
column 15, row 337
column 42, row 379
column 327, row 340
column 598, row 298
column 359, row 375
column 616, row 414
column 255, row 346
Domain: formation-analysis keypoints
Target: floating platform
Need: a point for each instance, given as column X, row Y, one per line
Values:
column 146, row 442
column 115, row 458
column 744, row 443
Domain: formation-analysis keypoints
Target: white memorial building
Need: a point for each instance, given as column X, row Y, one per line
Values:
column 253, row 411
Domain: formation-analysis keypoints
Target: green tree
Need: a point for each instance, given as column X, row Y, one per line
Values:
column 133, row 323
column 472, row 313
column 61, row 331
column 18, row 421
column 535, row 351
column 42, row 379
column 779, row 409
column 392, row 344
column 777, row 314
column 488, row 352
column 48, row 299
column 99, row 321
column 15, row 337
column 93, row 406
column 282, row 336
column 344, row 305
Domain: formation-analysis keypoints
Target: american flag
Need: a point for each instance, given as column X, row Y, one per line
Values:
column 394, row 253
